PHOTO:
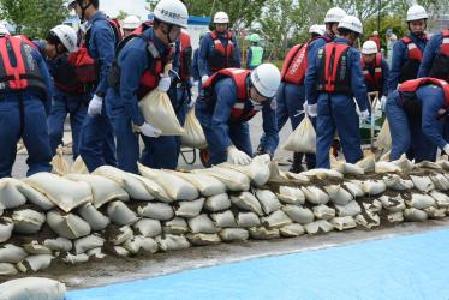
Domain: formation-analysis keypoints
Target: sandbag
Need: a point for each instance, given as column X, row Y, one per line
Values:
column 88, row 243
column 224, row 220
column 7, row 270
column 247, row 220
column 234, row 234
column 10, row 196
column 396, row 217
column 268, row 200
column 323, row 174
column 34, row 248
column 427, row 165
column 423, row 183
column 60, row 165
column 124, row 234
column 292, row 230
column 338, row 195
column 392, row 204
column 351, row 209
column 368, row 164
column 67, row 226
column 277, row 219
column 343, row 223
column 120, row 214
column 189, row 209
column 148, row 227
column 383, row 141
column 59, row 244
column 32, row 288
column 441, row 200
column 176, row 226
column 202, row 224
column 315, row 195
column 157, row 110
column 76, row 259
column 193, row 135
column 443, row 163
column 27, row 221
column 404, row 164
column 303, row 139
column 104, row 190
column 66, row 194
column 368, row 220
column 233, row 180
column 291, row 195
column 35, row 197
column 320, row 226
column 79, row 167
column 203, row 239
column 298, row 214
column 247, row 201
column 420, row 201
column 37, row 263
column 154, row 189
column 94, row 217
column 141, row 243
column 385, row 167
column 355, row 188
column 436, row 213
column 121, row 251
column 217, row 203
column 97, row 253
column 415, row 215
column 207, row 185
column 440, row 181
column 157, row 211
column 323, row 212
column 373, row 187
column 172, row 242
column 374, row 206
column 6, row 226
column 396, row 183
column 262, row 233
column 12, row 254
column 258, row 170
column 345, row 167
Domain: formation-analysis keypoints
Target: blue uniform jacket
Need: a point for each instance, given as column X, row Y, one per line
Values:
column 385, row 74
column 195, row 70
column 431, row 50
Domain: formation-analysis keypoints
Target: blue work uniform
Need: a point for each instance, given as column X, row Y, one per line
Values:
column 371, row 68
column 431, row 51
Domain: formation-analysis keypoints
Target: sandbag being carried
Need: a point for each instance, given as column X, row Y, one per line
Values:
column 193, row 135
column 384, row 141
column 36, row 288
column 303, row 139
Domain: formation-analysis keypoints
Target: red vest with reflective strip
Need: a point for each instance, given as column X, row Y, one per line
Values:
column 444, row 49
column 376, row 80
column 413, row 85
column 239, row 112
column 222, row 57
column 414, row 53
column 185, row 56
column 440, row 65
column 334, row 68
column 23, row 73
column 295, row 65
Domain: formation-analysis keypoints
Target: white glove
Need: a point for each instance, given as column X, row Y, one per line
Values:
column 204, row 79
column 95, row 106
column 446, row 149
column 150, row 131
column 192, row 102
column 383, row 103
column 311, row 109
column 164, row 84
column 364, row 115
column 237, row 157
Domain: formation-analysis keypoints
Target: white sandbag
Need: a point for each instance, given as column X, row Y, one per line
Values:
column 233, row 180
column 403, row 163
column 423, row 183
column 291, row 195
column 38, row 262
column 203, row 239
column 175, row 187
column 351, row 209
column 393, row 204
column 64, row 193
column 436, row 213
column 207, row 185
column 10, row 196
column 94, row 217
column 353, row 169
column 120, row 214
column 338, row 194
column 383, row 141
column 76, row 259
column 440, row 181
column 96, row 253
column 396, row 217
column 32, row 288
column 104, row 190
column 176, row 226
column 322, row 174
column 368, row 164
column 277, row 219
column 441, row 200
column 420, row 201
column 368, row 220
column 27, row 221
column 189, row 209
column 268, row 200
column 292, row 230
column 87, row 243
column 247, row 201
column 356, row 189
column 385, row 167
column 315, row 195
column 141, row 243
column 79, row 167
column 202, row 224
column 34, row 248
column 247, row 220
column 396, row 183
column 155, row 190
column 59, row 244
column 300, row 178
column 415, row 215
column 35, row 197
column 172, row 242
column 59, row 163
column 7, row 270
column 374, row 206
column 234, row 235
column 443, row 163
column 259, row 170
column 131, row 184
column 12, row 254
column 343, row 223
column 386, row 156
column 373, row 187
column 262, row 233
column 323, row 212
column 157, row 211
column 6, row 227
column 320, row 226
column 157, row 110
column 303, row 139
column 427, row 165
column 298, row 214
column 67, row 226
column 193, row 135
column 148, row 227
column 121, row 251
column 124, row 234
column 224, row 220
column 217, row 203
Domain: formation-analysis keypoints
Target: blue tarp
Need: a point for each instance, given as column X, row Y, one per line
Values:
column 404, row 267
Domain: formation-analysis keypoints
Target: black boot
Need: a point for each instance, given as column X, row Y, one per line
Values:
column 297, row 163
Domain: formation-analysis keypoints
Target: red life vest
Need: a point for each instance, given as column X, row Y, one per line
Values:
column 144, row 26
column 334, row 77
column 295, row 65
column 240, row 111
column 412, row 86
column 221, row 57
column 22, row 74
column 375, row 82
column 410, row 69
column 440, row 66
column 185, row 56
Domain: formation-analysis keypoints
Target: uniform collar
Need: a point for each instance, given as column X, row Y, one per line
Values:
column 341, row 40
column 161, row 47
column 97, row 16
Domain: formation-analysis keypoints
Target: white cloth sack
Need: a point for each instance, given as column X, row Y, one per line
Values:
column 36, row 288
column 303, row 139
column 193, row 135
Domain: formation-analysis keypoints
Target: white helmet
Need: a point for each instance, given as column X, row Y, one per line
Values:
column 171, row 12
column 351, row 23
column 334, row 15
column 221, row 18
column 416, row 12
column 266, row 79
column 131, row 22
column 67, row 35
column 3, row 29
column 317, row 29
column 369, row 47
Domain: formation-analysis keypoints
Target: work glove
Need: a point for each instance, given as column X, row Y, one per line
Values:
column 446, row 149
column 310, row 109
column 237, row 157
column 149, row 130
column 164, row 84
column 383, row 103
column 364, row 115
column 95, row 106
column 192, row 103
column 204, row 79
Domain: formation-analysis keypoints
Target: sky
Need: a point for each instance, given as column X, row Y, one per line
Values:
column 132, row 7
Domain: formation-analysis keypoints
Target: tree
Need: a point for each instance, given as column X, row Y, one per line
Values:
column 122, row 15
column 34, row 17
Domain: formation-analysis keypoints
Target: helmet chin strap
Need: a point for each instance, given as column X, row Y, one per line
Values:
column 83, row 10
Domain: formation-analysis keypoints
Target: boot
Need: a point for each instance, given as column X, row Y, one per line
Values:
column 297, row 163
